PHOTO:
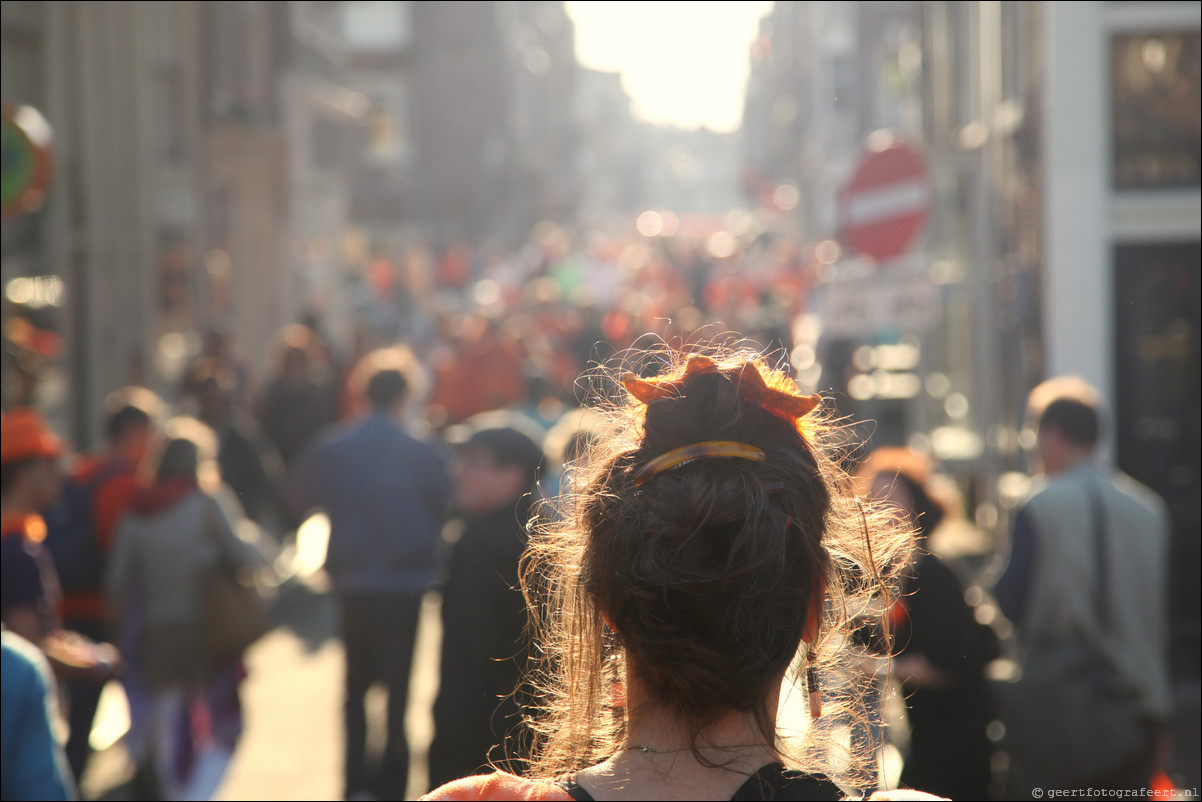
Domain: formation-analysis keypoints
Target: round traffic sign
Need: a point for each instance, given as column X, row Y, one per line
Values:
column 25, row 157
column 886, row 202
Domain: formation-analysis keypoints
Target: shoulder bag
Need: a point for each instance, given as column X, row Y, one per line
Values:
column 233, row 613
column 1071, row 717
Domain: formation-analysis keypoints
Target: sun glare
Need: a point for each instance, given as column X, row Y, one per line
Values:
column 683, row 64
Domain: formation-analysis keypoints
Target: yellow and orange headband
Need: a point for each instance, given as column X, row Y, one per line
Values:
column 777, row 395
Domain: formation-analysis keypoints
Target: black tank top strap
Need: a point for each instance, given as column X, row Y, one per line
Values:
column 574, row 789
column 772, row 783
column 775, row 782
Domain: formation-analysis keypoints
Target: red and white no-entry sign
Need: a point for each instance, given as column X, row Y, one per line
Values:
column 886, row 202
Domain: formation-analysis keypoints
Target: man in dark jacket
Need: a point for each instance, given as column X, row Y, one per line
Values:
column 386, row 494
column 483, row 612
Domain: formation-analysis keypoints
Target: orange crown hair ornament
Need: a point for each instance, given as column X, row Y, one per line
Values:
column 776, row 394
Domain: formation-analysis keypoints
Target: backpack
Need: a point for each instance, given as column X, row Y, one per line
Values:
column 70, row 530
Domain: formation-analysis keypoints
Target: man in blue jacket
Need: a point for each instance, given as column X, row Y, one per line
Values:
column 386, row 495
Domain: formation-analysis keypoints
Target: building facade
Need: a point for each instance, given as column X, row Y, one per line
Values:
column 1122, row 216
column 1063, row 144
column 199, row 154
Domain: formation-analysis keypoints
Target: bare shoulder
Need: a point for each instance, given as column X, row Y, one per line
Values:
column 500, row 786
column 904, row 794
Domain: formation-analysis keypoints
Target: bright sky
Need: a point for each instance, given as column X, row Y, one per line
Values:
column 682, row 63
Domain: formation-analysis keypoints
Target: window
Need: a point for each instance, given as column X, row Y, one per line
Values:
column 1155, row 110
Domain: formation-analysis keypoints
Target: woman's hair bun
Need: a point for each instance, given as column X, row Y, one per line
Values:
column 708, row 571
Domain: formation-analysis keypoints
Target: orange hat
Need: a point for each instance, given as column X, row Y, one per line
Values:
column 23, row 434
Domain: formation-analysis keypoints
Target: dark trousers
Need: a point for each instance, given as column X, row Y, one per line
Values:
column 83, row 697
column 378, row 633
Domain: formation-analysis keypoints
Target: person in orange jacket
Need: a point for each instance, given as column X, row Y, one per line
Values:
column 110, row 479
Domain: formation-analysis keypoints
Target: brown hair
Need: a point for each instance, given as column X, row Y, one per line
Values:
column 913, row 471
column 707, row 572
column 294, row 341
column 1059, row 387
column 130, row 408
column 384, row 376
column 187, row 450
column 1075, row 420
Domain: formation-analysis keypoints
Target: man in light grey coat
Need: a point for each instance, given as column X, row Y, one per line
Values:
column 1089, row 563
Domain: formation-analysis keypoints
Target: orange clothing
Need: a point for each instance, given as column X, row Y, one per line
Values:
column 498, row 785
column 23, row 435
column 110, row 502
column 481, row 374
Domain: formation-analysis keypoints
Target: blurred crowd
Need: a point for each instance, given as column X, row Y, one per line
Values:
column 517, row 329
column 458, row 397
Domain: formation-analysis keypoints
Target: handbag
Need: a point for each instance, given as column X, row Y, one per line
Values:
column 1070, row 717
column 233, row 614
